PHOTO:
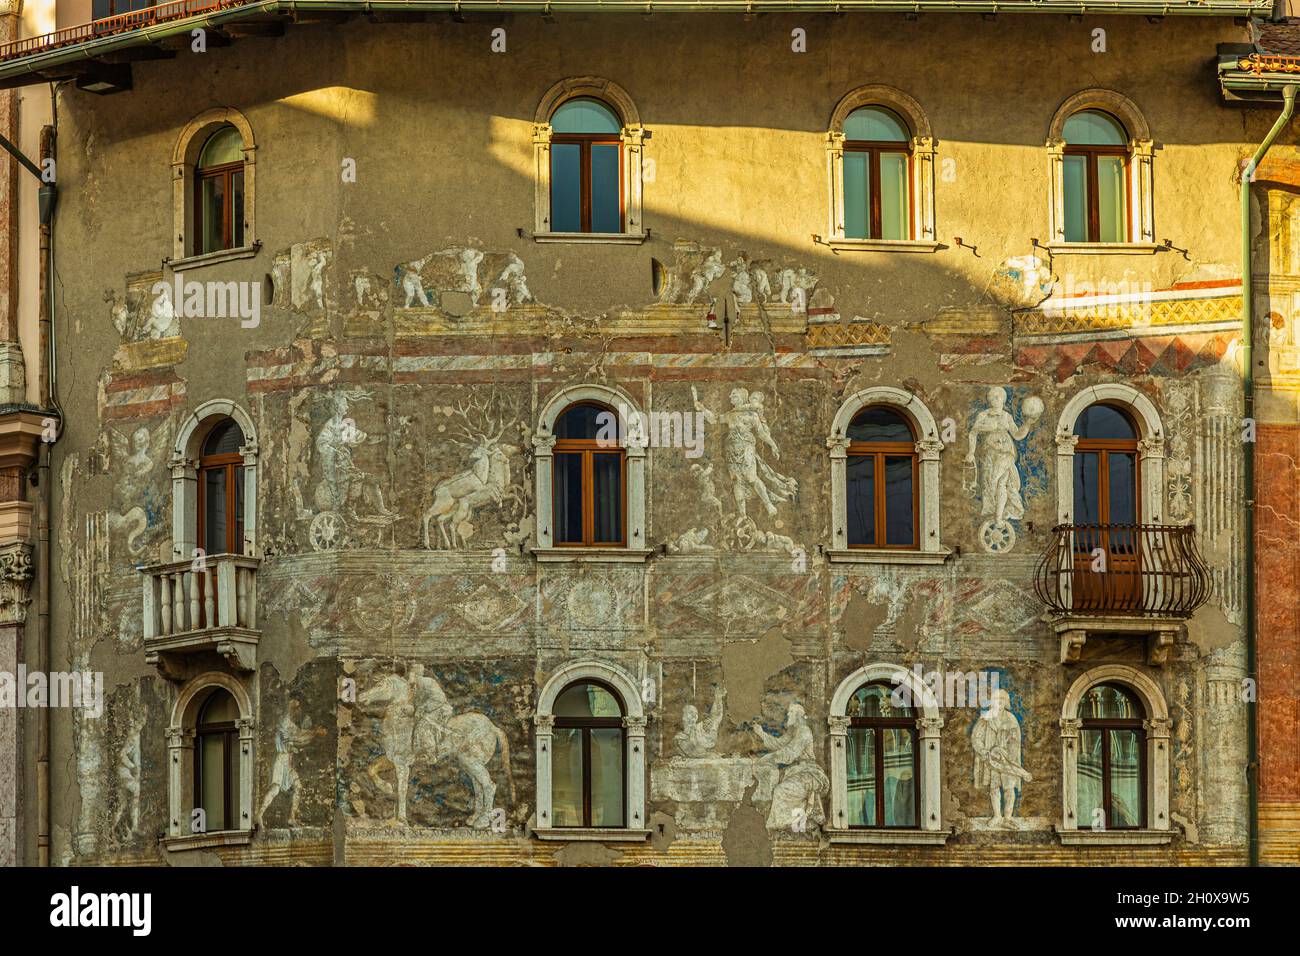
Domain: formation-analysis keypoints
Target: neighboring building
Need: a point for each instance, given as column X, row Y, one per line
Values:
column 572, row 436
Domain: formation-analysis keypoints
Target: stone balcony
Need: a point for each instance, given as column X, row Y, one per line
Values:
column 1121, row 581
column 203, row 607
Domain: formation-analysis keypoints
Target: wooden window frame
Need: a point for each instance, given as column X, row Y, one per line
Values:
column 225, row 172
column 878, row 451
column 588, row 448
column 1103, row 448
column 586, row 725
column 878, row 757
column 1090, row 155
column 584, row 141
column 1105, row 724
column 229, row 733
column 229, row 462
column 874, row 148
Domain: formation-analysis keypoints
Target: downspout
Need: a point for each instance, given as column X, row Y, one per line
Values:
column 1248, row 389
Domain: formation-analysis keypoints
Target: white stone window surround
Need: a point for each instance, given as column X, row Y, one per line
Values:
column 930, row 548
column 636, row 549
column 1141, row 198
column 634, row 727
column 929, row 724
column 632, row 135
column 180, row 763
column 1157, row 726
column 185, row 156
column 1151, row 447
column 922, row 171
column 184, row 466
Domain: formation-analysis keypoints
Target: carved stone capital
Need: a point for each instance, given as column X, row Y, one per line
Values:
column 15, row 582
column 839, row 446
column 1151, row 447
column 928, row 449
column 635, row 725
column 1157, row 727
column 929, row 726
column 1065, row 443
column 545, row 723
column 179, row 737
column 839, row 725
column 1070, row 726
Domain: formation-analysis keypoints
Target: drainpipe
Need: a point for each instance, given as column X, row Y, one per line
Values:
column 1248, row 389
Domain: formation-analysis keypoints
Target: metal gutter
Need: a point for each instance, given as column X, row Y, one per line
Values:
column 1248, row 388
column 295, row 9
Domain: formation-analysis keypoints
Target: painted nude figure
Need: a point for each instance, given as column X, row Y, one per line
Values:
column 999, row 476
column 699, row 738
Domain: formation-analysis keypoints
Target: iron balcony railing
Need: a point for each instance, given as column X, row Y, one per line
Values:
column 1126, row 570
column 119, row 23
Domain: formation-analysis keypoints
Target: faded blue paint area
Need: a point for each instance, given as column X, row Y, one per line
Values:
column 154, row 510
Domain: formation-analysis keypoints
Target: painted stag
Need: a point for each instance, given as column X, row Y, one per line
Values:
column 487, row 479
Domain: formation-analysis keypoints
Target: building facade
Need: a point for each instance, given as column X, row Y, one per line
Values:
column 691, row 438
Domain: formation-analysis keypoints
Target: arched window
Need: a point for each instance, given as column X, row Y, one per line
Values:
column 219, row 192
column 886, row 747
column 589, row 477
column 589, row 760
column 586, row 164
column 882, row 489
column 1096, row 178
column 1112, row 762
column 216, row 767
column 587, row 146
column 590, row 749
column 883, row 761
column 877, row 175
column 210, row 763
column 885, row 450
column 221, row 490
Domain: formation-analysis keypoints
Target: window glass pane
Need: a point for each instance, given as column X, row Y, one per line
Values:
column 861, row 773
column 874, row 124
column 225, row 439
column 605, row 192
column 1076, row 199
column 1125, row 779
column 900, row 778
column 1085, row 488
column 214, row 511
column 857, row 195
column 584, row 116
column 893, row 196
column 1094, row 128
column 1123, row 487
column 876, row 700
column 218, row 709
column 212, row 780
column 606, row 777
column 1104, row 421
column 879, row 424
column 607, row 477
column 898, row 500
column 568, row 499
column 1112, row 216
column 587, row 700
column 860, row 499
column 1106, row 701
column 584, row 421
column 566, row 187
column 224, row 146
column 237, row 208
column 566, row 777
column 214, row 201
column 1089, row 770
column 236, row 544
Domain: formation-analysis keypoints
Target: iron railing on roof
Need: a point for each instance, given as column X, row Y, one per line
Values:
column 1125, row 570
column 119, row 23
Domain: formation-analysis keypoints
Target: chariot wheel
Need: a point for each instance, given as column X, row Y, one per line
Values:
column 997, row 537
column 327, row 531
